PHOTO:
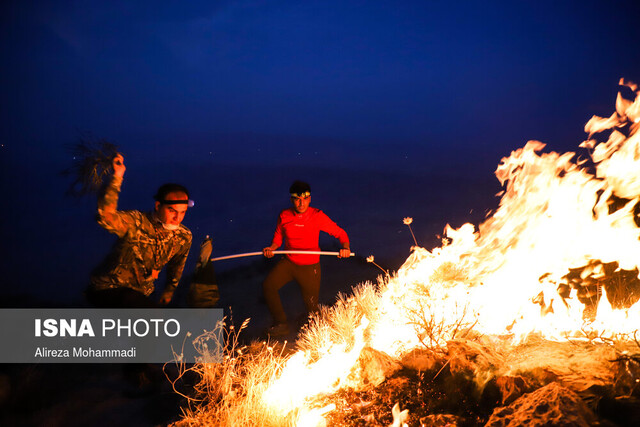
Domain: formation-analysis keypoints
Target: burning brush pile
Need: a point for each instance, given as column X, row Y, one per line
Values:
column 532, row 319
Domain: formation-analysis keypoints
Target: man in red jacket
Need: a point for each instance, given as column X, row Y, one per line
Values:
column 299, row 227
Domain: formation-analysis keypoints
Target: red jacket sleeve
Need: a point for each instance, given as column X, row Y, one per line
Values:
column 328, row 226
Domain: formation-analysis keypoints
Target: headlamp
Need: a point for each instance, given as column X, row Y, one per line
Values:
column 301, row 195
column 190, row 203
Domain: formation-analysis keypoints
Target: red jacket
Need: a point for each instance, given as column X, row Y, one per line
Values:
column 302, row 231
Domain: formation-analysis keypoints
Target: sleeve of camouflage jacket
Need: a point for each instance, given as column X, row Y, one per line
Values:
column 175, row 266
column 109, row 217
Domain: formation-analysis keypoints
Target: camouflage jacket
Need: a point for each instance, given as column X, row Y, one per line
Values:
column 143, row 247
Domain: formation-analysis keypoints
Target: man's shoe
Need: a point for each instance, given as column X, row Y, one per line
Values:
column 279, row 330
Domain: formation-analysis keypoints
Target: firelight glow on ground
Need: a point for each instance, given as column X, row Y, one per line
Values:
column 503, row 280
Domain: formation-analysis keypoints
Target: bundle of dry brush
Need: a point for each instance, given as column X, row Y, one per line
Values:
column 92, row 163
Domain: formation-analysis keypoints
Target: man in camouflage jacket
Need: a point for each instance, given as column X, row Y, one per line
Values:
column 146, row 243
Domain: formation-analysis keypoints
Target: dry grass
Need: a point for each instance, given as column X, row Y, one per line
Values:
column 433, row 332
column 336, row 324
column 230, row 393
column 91, row 164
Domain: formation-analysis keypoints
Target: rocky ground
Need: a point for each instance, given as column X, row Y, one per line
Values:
column 447, row 389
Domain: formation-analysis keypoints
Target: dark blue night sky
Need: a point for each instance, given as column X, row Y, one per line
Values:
column 236, row 99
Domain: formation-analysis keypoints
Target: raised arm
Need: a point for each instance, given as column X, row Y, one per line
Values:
column 109, row 217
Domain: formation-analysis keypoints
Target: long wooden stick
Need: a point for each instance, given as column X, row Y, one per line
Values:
column 276, row 253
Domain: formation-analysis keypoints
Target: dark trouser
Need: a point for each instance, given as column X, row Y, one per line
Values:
column 308, row 278
column 123, row 297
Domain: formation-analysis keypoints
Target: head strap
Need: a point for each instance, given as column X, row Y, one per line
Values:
column 190, row 203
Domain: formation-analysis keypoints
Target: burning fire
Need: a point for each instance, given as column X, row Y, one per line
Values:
column 566, row 234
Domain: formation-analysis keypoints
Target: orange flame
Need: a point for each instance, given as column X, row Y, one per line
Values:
column 554, row 232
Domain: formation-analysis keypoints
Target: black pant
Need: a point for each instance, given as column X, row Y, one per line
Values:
column 137, row 373
column 308, row 278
